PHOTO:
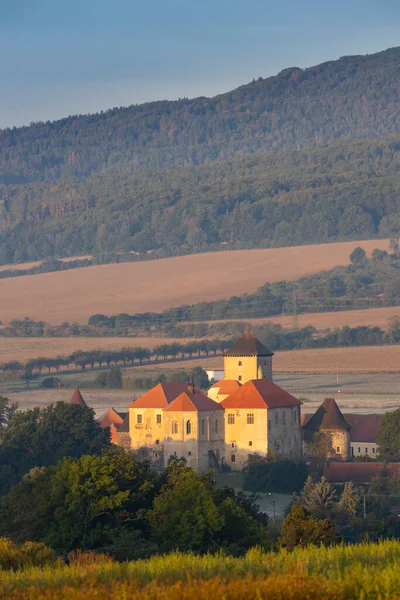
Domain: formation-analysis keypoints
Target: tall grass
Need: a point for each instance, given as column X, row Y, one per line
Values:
column 367, row 571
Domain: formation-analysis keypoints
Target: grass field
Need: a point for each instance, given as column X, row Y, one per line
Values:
column 363, row 571
column 155, row 285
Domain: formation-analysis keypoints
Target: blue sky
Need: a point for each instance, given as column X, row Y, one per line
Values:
column 65, row 57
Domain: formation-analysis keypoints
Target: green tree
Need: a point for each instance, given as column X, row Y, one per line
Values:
column 358, row 256
column 322, row 494
column 350, row 498
column 301, row 528
column 388, row 436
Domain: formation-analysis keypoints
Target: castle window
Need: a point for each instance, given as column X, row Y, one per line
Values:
column 352, row 451
column 338, row 449
column 366, row 450
column 250, row 419
column 269, row 425
column 373, row 450
column 233, row 444
column 203, row 427
column 139, row 419
column 158, row 419
column 156, row 454
column 240, row 378
column 216, row 425
column 233, row 458
column 174, row 427
column 358, row 449
column 189, row 453
column 188, row 427
column 157, row 442
column 276, row 418
column 240, row 363
column 250, row 443
column 231, row 419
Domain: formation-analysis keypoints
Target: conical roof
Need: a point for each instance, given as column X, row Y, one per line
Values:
column 328, row 416
column 77, row 398
column 248, row 345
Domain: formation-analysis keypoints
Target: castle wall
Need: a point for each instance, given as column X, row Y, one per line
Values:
column 148, row 432
column 284, row 431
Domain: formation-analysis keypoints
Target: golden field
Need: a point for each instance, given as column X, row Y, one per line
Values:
column 155, row 285
column 23, row 349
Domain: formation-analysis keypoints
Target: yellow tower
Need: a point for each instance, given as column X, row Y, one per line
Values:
column 248, row 359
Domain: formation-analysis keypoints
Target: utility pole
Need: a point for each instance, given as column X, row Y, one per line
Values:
column 273, row 512
column 295, row 320
column 365, row 506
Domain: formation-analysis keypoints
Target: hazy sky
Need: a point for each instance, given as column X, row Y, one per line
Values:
column 61, row 57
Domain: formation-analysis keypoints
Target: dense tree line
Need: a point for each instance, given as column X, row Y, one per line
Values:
column 348, row 190
column 353, row 97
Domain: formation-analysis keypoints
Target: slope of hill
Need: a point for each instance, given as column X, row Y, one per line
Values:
column 349, row 190
column 156, row 285
column 350, row 98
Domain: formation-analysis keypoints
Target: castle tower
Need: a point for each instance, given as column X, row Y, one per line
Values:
column 329, row 428
column 248, row 359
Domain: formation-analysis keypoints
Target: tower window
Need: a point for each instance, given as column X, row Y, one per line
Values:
column 158, row 419
column 139, row 419
column 240, row 378
column 250, row 419
column 269, row 425
column 233, row 445
column 250, row 443
column 189, row 453
column 240, row 363
column 233, row 458
column 231, row 419
column 338, row 449
column 174, row 427
column 203, row 427
column 216, row 425
column 157, row 442
column 188, row 427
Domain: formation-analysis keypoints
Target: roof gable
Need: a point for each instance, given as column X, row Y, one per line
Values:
column 260, row 393
column 110, row 417
column 363, row 427
column 77, row 398
column 226, row 386
column 248, row 345
column 328, row 416
column 160, row 395
column 193, row 402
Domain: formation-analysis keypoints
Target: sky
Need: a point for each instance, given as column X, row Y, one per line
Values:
column 61, row 57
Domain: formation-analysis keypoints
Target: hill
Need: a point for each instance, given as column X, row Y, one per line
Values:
column 304, row 157
column 351, row 98
column 156, row 285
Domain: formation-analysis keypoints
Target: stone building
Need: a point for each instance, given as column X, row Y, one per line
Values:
column 260, row 417
column 194, row 430
column 248, row 359
column 329, row 430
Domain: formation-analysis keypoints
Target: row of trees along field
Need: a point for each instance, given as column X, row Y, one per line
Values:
column 344, row 191
column 62, row 483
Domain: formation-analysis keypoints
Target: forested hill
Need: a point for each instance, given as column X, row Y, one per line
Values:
column 351, row 98
column 347, row 190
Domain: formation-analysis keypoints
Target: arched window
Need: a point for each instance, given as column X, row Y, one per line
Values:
column 174, row 427
column 203, row 427
column 188, row 427
column 216, row 425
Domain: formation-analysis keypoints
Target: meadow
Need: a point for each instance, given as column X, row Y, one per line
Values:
column 155, row 285
column 363, row 571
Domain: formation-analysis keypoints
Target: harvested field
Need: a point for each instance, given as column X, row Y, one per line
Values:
column 30, row 265
column 155, row 285
column 23, row 349
column 327, row 360
column 375, row 317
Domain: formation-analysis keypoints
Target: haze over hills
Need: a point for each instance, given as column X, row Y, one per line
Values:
column 177, row 178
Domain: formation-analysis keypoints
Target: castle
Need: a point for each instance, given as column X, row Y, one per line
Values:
column 243, row 414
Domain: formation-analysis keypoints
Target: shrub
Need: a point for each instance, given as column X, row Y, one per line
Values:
column 30, row 554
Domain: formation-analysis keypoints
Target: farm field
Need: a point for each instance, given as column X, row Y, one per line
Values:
column 353, row 571
column 155, row 285
column 30, row 265
column 23, row 349
column 375, row 317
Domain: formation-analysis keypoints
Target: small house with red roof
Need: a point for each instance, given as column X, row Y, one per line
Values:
column 262, row 418
column 112, row 419
column 329, row 428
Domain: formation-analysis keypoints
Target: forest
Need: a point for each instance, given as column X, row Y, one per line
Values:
column 307, row 156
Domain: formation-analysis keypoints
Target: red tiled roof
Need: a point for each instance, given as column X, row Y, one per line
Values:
column 357, row 472
column 363, row 427
column 227, row 386
column 190, row 402
column 248, row 345
column 259, row 393
column 77, row 398
column 110, row 417
column 328, row 416
column 160, row 395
